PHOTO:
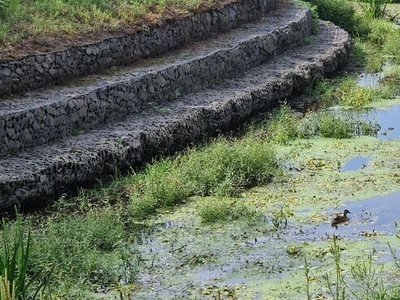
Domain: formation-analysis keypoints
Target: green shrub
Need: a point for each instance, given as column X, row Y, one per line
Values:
column 342, row 13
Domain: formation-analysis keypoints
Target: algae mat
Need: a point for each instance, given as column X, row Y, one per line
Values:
column 261, row 256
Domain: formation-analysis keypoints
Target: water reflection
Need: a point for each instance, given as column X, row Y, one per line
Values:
column 374, row 216
column 389, row 122
column 387, row 119
column 371, row 80
column 356, row 163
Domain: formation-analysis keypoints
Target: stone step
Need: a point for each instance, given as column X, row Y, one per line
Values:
column 42, row 116
column 88, row 57
column 40, row 173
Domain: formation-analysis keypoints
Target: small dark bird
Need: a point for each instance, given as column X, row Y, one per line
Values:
column 340, row 219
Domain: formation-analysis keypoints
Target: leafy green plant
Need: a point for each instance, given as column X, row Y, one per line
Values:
column 14, row 263
column 226, row 166
column 357, row 97
column 280, row 215
column 321, row 88
column 83, row 248
column 282, row 127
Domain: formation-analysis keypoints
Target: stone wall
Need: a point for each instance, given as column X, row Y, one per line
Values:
column 51, row 68
column 39, row 174
column 64, row 115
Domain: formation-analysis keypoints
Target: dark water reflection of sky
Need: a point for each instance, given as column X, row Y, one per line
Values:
column 389, row 120
column 377, row 214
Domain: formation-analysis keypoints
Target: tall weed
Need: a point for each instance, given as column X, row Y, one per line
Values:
column 15, row 255
column 374, row 9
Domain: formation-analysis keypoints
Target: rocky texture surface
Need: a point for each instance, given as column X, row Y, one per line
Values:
column 165, row 120
column 55, row 67
column 36, row 118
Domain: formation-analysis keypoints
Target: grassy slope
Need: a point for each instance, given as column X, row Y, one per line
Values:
column 29, row 26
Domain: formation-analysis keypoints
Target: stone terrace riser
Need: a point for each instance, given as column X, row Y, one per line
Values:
column 36, row 125
column 55, row 67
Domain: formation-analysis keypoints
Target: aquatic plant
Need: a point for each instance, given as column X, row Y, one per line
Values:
column 84, row 249
column 282, row 127
column 308, row 278
column 357, row 97
column 224, row 168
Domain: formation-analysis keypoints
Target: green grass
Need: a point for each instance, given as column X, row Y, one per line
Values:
column 214, row 209
column 285, row 127
column 225, row 167
column 84, row 250
column 342, row 13
column 21, row 20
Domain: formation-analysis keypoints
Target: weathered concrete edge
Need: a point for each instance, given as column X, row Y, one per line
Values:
column 46, row 69
column 191, row 125
column 54, row 121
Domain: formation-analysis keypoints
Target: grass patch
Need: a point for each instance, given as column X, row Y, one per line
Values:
column 225, row 167
column 213, row 209
column 24, row 20
column 83, row 250
column 285, row 126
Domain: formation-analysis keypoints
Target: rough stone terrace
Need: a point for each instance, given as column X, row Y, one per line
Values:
column 72, row 117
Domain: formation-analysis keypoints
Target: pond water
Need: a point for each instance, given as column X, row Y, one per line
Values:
column 389, row 122
column 188, row 261
column 355, row 163
column 370, row 79
column 181, row 258
column 376, row 215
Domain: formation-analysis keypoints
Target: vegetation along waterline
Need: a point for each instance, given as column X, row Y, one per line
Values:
column 265, row 199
